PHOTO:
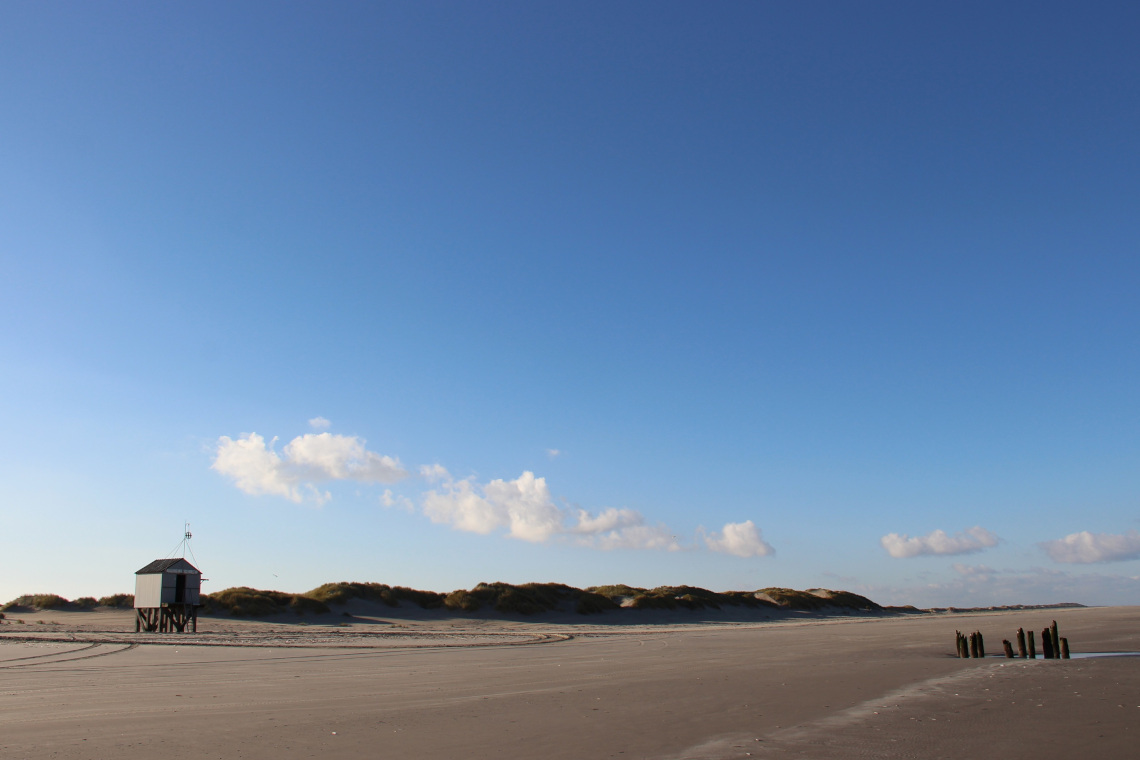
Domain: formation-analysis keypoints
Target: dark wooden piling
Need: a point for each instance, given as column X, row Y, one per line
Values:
column 1021, row 643
column 1056, row 640
column 981, row 645
column 1007, row 647
column 1031, row 645
column 1046, row 644
column 974, row 644
column 1064, row 648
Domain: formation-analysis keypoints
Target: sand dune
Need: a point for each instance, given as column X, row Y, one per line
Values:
column 439, row 688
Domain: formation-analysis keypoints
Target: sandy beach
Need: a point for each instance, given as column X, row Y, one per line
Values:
column 79, row 685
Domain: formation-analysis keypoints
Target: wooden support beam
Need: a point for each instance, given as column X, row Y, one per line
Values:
column 1064, row 648
column 1031, row 645
column 1008, row 648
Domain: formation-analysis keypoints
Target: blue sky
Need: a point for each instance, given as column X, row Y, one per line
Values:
column 743, row 295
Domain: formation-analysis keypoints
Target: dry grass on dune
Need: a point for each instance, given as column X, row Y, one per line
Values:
column 57, row 602
column 251, row 602
column 505, row 598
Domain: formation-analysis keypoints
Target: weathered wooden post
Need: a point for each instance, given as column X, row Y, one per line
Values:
column 1064, row 648
column 1021, row 643
column 981, row 645
column 1046, row 644
column 1056, row 640
column 963, row 646
column 1008, row 648
column 974, row 644
column 1031, row 645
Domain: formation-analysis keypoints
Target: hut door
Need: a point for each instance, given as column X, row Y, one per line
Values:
column 180, row 589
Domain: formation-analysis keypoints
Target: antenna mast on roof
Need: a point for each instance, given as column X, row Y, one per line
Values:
column 184, row 544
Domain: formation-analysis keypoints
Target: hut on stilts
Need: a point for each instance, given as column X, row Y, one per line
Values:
column 167, row 596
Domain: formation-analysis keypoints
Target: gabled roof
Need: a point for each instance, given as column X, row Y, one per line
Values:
column 162, row 565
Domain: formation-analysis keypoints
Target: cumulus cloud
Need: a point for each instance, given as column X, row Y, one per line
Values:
column 389, row 499
column 740, row 540
column 434, row 472
column 319, row 423
column 324, row 456
column 1086, row 548
column 640, row 536
column 606, row 521
column 522, row 506
column 254, row 467
column 939, row 542
column 525, row 509
column 314, row 457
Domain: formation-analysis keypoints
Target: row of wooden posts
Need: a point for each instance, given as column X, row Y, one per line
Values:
column 1053, row 647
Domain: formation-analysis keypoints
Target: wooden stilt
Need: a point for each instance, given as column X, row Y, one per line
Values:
column 1021, row 643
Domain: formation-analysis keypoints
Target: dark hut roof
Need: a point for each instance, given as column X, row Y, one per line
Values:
column 162, row 565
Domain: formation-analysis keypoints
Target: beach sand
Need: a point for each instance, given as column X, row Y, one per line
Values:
column 482, row 688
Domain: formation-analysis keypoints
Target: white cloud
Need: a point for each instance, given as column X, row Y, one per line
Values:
column 319, row 423
column 316, row 495
column 939, row 543
column 254, row 467
column 324, row 456
column 434, row 472
column 740, row 540
column 257, row 469
column 607, row 521
column 459, row 504
column 389, row 499
column 531, row 513
column 522, row 506
column 525, row 510
column 638, row 536
column 553, row 453
column 1085, row 547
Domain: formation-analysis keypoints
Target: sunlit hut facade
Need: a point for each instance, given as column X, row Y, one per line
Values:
column 167, row 596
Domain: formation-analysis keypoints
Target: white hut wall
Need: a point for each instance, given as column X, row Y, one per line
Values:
column 148, row 590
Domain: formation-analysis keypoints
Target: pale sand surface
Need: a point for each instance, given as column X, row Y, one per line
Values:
column 473, row 688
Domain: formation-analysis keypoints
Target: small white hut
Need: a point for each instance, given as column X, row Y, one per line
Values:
column 167, row 596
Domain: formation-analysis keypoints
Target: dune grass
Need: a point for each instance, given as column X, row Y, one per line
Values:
column 37, row 602
column 57, row 602
column 508, row 599
column 118, row 601
column 251, row 602
column 341, row 593
column 818, row 599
